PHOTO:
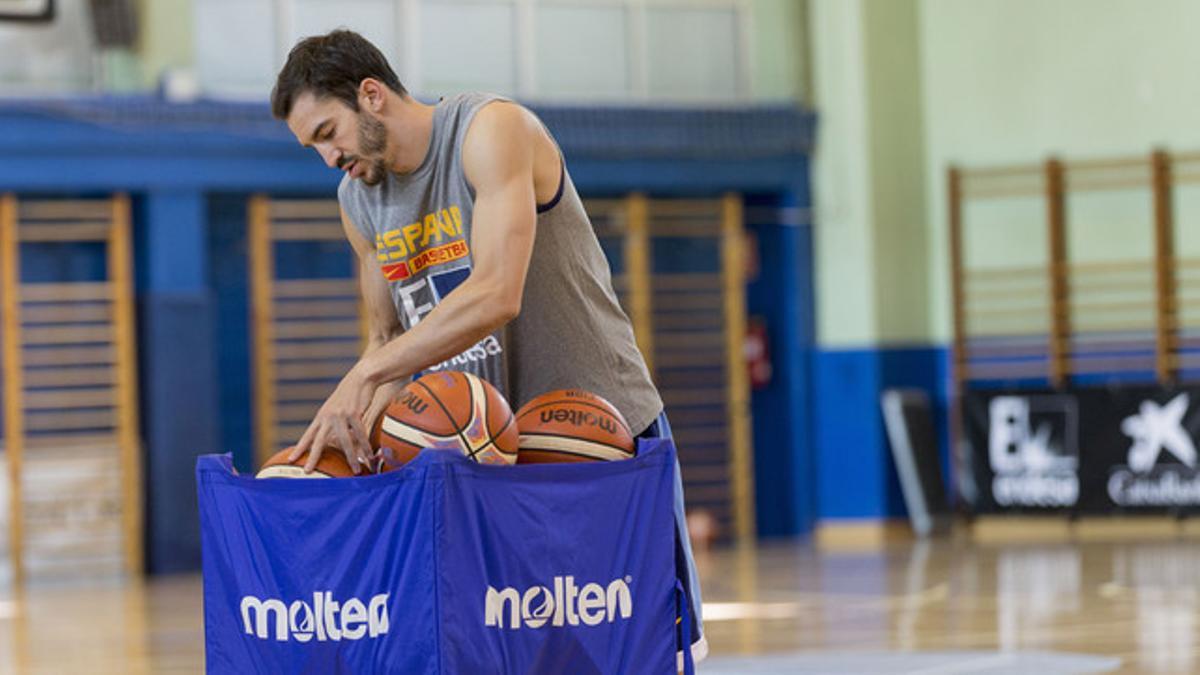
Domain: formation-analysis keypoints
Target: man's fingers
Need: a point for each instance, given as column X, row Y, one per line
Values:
column 346, row 445
column 359, row 435
column 314, row 456
column 305, row 442
column 315, row 451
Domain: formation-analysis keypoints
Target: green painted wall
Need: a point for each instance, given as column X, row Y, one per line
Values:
column 872, row 272
column 780, row 50
column 1013, row 81
column 166, row 37
column 843, row 201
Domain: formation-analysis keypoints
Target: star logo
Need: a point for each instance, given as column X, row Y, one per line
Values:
column 1156, row 428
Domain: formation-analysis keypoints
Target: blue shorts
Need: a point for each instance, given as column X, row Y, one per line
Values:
column 684, row 562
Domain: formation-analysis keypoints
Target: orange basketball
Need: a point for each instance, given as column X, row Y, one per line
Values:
column 332, row 464
column 449, row 410
column 572, row 425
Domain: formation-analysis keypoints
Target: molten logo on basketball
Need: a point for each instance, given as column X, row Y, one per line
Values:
column 413, row 402
column 565, row 604
column 579, row 418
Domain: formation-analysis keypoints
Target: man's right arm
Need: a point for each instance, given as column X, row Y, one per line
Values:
column 383, row 323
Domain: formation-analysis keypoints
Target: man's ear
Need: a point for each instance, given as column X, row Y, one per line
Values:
column 371, row 94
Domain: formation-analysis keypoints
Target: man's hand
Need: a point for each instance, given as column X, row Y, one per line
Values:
column 339, row 424
column 384, row 395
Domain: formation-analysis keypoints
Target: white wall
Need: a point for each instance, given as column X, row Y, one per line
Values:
column 578, row 50
column 55, row 57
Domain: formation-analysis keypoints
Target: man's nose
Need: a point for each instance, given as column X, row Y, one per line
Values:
column 330, row 155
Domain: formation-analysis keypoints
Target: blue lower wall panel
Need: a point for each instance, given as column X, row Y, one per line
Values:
column 178, row 394
column 856, row 477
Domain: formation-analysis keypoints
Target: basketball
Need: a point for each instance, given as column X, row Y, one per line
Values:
column 449, row 410
column 571, row 425
column 332, row 464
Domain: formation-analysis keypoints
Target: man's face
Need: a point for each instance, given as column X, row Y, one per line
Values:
column 355, row 142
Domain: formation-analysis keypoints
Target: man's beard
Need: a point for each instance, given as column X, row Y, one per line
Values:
column 372, row 143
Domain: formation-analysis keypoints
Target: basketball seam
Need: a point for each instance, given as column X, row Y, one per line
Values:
column 606, row 411
column 492, row 440
column 568, row 437
column 567, row 452
column 404, row 440
column 453, row 422
column 545, row 435
column 409, row 424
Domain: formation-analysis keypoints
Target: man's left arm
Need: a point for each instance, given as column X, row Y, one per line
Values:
column 498, row 160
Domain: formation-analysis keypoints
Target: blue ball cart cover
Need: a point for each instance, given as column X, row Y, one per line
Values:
column 444, row 566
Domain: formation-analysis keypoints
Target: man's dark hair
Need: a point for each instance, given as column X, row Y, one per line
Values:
column 330, row 65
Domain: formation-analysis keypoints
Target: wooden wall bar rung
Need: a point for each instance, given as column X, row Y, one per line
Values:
column 66, row 292
column 326, row 309
column 1106, row 164
column 288, row 330
column 69, row 356
column 64, row 209
column 687, row 282
column 987, row 312
column 69, row 377
column 66, row 233
column 306, row 289
column 1077, row 185
column 695, row 209
column 296, row 412
column 80, row 314
column 58, row 421
column 58, row 440
column 688, row 320
column 284, row 209
column 1020, row 273
column 70, row 398
column 287, row 435
column 292, row 351
column 1031, row 170
column 689, row 340
column 662, row 230
column 1026, row 191
column 67, row 335
column 285, row 372
column 292, row 231
column 675, row 302
column 288, row 392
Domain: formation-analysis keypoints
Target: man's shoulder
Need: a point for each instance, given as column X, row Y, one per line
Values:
column 348, row 189
column 353, row 193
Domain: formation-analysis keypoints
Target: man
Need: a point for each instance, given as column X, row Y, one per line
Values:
column 475, row 251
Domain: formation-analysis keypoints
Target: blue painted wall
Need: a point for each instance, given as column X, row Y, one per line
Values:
column 856, row 475
column 782, row 296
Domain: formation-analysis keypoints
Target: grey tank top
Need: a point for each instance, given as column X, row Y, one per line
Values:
column 571, row 332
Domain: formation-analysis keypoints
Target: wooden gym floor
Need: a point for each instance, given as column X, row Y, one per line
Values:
column 945, row 606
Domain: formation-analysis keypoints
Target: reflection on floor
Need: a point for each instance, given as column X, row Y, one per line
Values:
column 943, row 607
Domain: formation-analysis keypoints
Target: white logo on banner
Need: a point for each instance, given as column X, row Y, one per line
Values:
column 1033, row 465
column 1157, row 428
column 1143, row 482
column 324, row 619
column 560, row 604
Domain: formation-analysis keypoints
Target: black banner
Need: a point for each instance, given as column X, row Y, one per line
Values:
column 1091, row 450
